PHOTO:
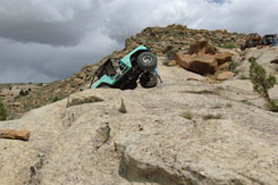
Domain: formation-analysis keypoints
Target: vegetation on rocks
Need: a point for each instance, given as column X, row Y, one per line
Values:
column 262, row 83
column 212, row 116
column 24, row 92
column 187, row 115
column 3, row 112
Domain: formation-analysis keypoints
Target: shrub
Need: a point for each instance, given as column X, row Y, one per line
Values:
column 233, row 66
column 23, row 93
column 187, row 115
column 56, row 98
column 212, row 116
column 261, row 82
column 273, row 105
column 3, row 112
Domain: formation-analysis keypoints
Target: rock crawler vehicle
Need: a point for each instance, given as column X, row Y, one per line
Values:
column 253, row 40
column 270, row 39
column 124, row 73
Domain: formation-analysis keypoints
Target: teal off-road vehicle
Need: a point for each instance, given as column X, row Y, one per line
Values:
column 123, row 73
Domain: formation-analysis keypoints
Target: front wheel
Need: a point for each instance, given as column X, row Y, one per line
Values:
column 148, row 80
column 147, row 61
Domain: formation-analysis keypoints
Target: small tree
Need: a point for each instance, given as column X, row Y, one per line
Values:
column 3, row 112
column 261, row 82
column 56, row 98
column 24, row 93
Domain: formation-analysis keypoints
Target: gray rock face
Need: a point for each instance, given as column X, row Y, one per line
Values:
column 226, row 142
column 267, row 57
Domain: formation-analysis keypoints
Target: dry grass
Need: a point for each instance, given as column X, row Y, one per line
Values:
column 187, row 115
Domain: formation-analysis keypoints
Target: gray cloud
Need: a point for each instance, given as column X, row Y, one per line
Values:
column 42, row 40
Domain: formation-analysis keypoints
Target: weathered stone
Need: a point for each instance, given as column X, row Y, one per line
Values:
column 224, row 66
column 222, row 58
column 264, row 57
column 78, row 81
column 15, row 134
column 171, row 63
column 204, row 64
column 122, row 108
column 225, row 75
column 73, row 101
column 151, row 144
column 202, row 47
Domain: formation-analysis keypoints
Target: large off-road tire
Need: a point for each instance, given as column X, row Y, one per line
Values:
column 148, row 80
column 146, row 61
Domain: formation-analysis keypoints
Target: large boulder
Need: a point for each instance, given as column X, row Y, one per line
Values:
column 203, row 58
column 201, row 64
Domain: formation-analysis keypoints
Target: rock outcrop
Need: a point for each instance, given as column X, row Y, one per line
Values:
column 266, row 57
column 226, row 141
column 204, row 64
column 159, row 39
column 203, row 58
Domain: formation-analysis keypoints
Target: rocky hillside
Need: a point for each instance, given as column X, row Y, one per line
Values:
column 188, row 130
column 180, row 37
column 160, row 39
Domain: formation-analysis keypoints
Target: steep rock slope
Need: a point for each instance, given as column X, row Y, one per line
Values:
column 185, row 131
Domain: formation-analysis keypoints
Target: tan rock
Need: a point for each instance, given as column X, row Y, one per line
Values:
column 202, row 47
column 224, row 57
column 225, row 75
column 15, row 134
column 171, row 63
column 81, row 75
column 87, row 97
column 201, row 64
column 224, row 66
column 78, row 81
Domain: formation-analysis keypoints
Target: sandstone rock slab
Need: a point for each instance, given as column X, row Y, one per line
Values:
column 15, row 134
column 204, row 64
column 225, row 75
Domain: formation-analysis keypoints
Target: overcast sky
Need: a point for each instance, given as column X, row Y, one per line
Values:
column 42, row 40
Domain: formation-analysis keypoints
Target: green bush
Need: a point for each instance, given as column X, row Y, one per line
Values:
column 261, row 81
column 3, row 112
column 24, row 93
column 56, row 98
column 273, row 105
column 187, row 115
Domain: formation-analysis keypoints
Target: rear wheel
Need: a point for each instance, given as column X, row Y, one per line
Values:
column 147, row 61
column 148, row 80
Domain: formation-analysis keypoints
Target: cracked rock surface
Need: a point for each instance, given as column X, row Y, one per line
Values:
column 225, row 141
